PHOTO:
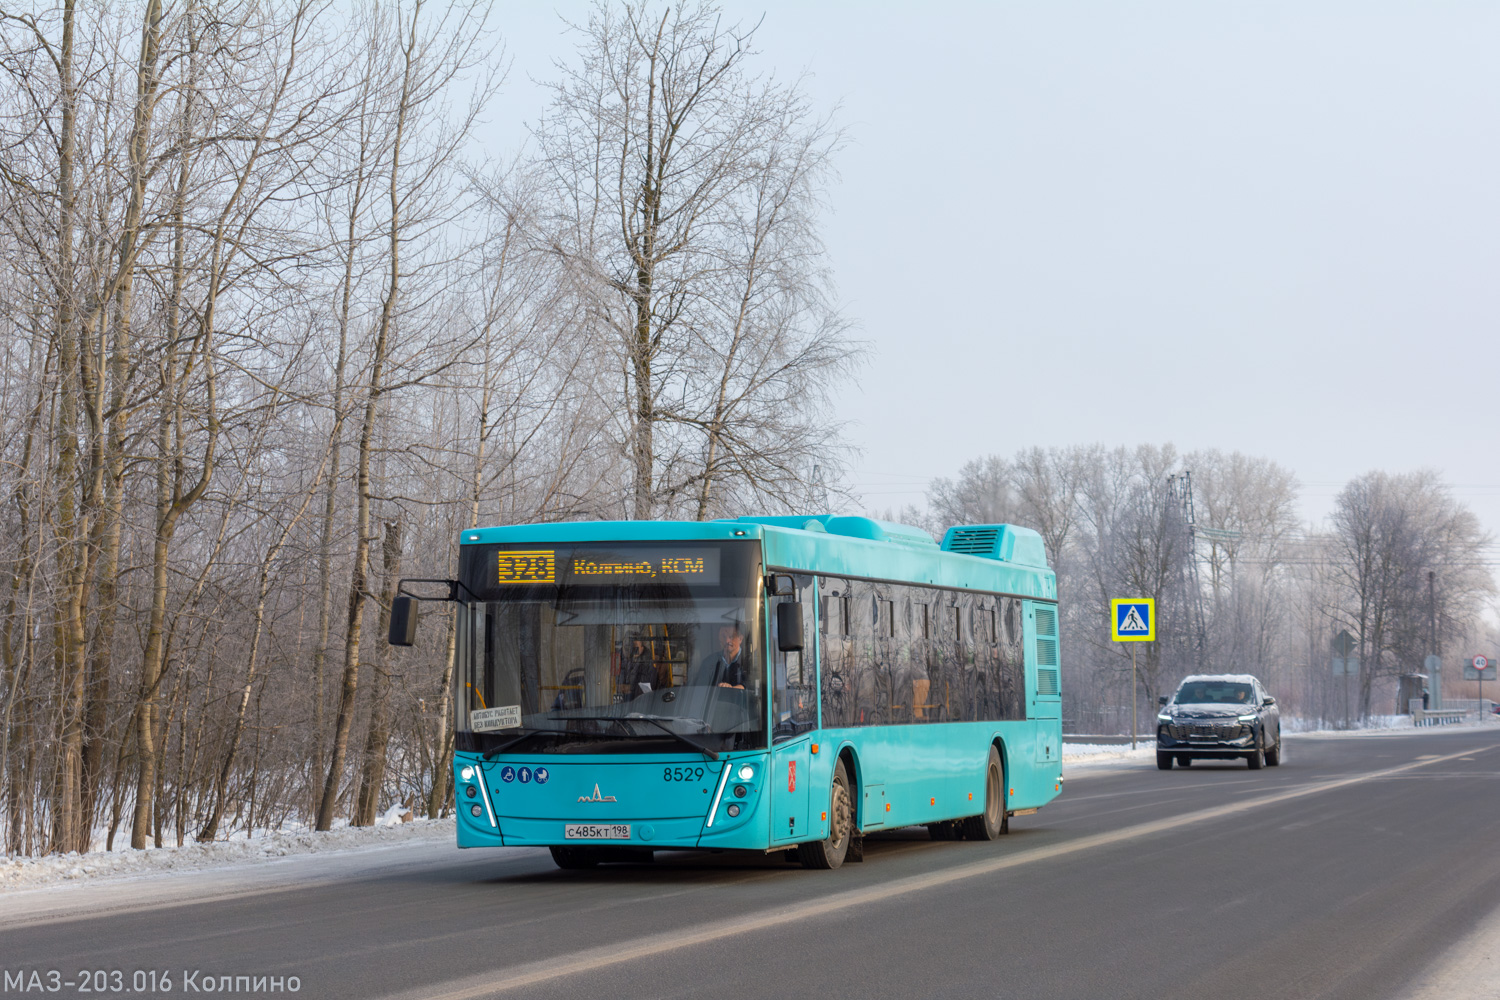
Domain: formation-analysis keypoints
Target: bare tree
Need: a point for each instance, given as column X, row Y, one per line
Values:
column 982, row 494
column 682, row 195
column 260, row 302
column 423, row 147
column 1390, row 531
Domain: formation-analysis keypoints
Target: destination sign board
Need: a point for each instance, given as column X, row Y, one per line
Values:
column 590, row 566
column 532, row 566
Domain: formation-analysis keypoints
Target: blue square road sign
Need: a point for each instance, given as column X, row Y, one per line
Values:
column 1133, row 620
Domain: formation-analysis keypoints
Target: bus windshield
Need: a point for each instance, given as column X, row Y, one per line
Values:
column 1215, row 693
column 628, row 648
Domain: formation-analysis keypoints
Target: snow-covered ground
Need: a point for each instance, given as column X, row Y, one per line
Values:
column 26, row 873
column 20, row 873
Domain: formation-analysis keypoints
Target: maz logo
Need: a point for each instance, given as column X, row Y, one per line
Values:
column 596, row 797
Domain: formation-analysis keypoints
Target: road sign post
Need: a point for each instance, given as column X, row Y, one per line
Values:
column 1132, row 619
column 1481, row 664
column 1343, row 645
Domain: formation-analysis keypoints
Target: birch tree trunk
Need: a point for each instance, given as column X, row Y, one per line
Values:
column 373, row 772
column 359, row 576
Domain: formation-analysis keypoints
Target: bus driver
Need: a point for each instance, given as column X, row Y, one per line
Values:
column 725, row 667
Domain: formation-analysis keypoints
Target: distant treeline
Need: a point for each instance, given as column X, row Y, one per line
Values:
column 1239, row 585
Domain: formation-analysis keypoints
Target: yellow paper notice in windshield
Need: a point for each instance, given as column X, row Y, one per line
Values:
column 528, row 567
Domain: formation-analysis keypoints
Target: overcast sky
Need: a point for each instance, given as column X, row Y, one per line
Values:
column 1264, row 227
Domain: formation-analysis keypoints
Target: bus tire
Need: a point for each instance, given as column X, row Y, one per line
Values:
column 830, row 853
column 574, row 858
column 994, row 821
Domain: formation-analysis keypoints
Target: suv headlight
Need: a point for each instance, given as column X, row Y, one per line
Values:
column 1163, row 717
column 1246, row 718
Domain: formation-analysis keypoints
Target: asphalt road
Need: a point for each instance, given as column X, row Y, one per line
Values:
column 1345, row 873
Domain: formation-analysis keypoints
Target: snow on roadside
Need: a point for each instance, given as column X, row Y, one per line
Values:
column 1090, row 754
column 31, row 873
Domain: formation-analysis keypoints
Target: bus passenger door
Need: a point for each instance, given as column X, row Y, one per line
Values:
column 794, row 715
column 789, row 784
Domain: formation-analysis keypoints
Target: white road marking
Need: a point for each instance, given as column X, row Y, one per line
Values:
column 576, row 963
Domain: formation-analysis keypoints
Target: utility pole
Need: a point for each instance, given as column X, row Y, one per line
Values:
column 1437, row 673
column 1181, row 488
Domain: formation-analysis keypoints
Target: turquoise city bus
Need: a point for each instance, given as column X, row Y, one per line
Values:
column 764, row 684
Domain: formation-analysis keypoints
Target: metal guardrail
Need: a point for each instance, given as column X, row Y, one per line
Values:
column 1105, row 739
column 1437, row 716
column 1484, row 707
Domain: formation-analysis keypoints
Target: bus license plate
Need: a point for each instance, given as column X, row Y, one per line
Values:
column 596, row 831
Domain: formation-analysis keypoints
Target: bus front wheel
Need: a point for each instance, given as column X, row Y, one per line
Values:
column 830, row 853
column 991, row 823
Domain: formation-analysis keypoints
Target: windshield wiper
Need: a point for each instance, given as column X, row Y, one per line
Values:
column 655, row 721
column 492, row 751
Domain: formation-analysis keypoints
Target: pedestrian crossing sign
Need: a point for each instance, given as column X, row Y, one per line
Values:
column 1133, row 620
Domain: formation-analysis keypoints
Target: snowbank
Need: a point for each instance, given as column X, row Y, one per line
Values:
column 26, row 873
column 1091, row 754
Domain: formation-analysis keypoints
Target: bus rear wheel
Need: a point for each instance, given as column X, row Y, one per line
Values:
column 830, row 853
column 994, row 821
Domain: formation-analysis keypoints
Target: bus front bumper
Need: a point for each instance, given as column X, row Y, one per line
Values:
column 660, row 802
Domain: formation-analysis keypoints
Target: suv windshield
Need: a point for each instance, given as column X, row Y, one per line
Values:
column 1215, row 693
column 612, row 647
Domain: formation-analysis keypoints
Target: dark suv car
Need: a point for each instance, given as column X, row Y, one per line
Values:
column 1218, row 717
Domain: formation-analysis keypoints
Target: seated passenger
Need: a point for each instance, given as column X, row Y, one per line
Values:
column 638, row 671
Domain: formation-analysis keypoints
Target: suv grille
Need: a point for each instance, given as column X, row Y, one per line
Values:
column 1205, row 730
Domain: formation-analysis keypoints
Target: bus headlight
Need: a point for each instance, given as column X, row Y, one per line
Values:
column 467, row 774
column 475, row 811
column 469, row 791
column 734, row 809
column 747, row 772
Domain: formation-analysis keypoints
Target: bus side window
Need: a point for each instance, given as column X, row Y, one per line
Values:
column 859, row 654
column 920, row 656
column 836, row 693
column 795, row 704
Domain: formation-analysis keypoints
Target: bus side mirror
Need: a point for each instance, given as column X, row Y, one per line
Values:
column 789, row 627
column 781, row 585
column 1161, row 700
column 403, row 622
